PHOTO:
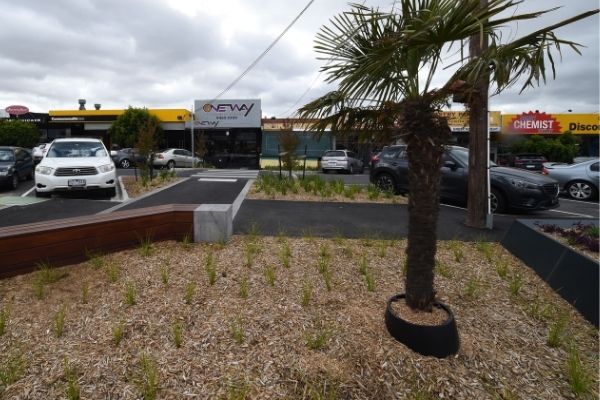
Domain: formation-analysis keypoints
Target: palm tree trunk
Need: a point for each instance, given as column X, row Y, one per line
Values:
column 425, row 150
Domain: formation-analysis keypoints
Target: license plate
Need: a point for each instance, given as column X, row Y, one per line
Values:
column 530, row 166
column 76, row 182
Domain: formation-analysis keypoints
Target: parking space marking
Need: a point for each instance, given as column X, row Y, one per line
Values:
column 19, row 200
column 570, row 213
column 28, row 192
column 216, row 180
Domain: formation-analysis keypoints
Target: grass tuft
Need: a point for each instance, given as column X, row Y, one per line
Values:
column 307, row 290
column 270, row 275
column 146, row 247
column 457, row 250
column 85, row 292
column 319, row 338
column 117, row 332
column 502, row 267
column 95, row 259
column 59, row 320
column 486, row 248
column 285, row 254
column 237, row 330
column 244, row 287
column 209, row 267
column 473, row 288
column 147, row 381
column 443, row 269
column 112, row 272
column 189, row 292
column 177, row 333
column 4, row 317
column 579, row 378
column 130, row 293
column 164, row 273
column 12, row 367
column 556, row 331
column 516, row 283
column 46, row 274
column 72, row 391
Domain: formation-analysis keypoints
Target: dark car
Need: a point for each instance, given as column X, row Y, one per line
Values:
column 528, row 161
column 16, row 164
column 511, row 188
column 126, row 158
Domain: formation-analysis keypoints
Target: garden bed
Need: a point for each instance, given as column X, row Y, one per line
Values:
column 136, row 186
column 279, row 317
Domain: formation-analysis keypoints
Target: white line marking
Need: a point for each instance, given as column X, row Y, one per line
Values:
column 27, row 192
column 570, row 213
column 216, row 180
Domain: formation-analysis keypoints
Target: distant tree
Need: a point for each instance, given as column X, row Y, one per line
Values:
column 126, row 129
column 147, row 143
column 18, row 133
column 560, row 149
column 289, row 142
column 201, row 148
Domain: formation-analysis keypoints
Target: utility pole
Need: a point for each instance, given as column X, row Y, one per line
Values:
column 478, row 208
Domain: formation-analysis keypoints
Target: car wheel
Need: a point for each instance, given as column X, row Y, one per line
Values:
column 14, row 182
column 497, row 202
column 29, row 176
column 385, row 182
column 42, row 194
column 125, row 163
column 111, row 192
column 362, row 169
column 171, row 164
column 351, row 169
column 580, row 190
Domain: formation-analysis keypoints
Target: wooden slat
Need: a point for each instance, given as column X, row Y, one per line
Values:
column 67, row 241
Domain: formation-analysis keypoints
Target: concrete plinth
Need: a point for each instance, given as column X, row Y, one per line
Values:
column 213, row 222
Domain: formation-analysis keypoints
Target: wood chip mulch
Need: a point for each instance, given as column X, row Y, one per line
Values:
column 135, row 188
column 292, row 339
column 361, row 197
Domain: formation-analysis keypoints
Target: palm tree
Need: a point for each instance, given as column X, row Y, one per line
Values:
column 385, row 64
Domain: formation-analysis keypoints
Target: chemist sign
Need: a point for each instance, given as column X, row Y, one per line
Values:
column 217, row 114
column 540, row 123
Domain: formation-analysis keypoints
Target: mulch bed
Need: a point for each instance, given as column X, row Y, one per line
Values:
column 272, row 346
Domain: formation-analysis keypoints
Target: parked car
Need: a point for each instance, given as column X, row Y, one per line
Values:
column 16, row 164
column 38, row 152
column 511, row 188
column 341, row 160
column 126, row 158
column 75, row 164
column 387, row 153
column 580, row 181
column 528, row 161
column 171, row 158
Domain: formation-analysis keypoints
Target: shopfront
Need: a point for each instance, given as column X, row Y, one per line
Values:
column 584, row 126
column 231, row 131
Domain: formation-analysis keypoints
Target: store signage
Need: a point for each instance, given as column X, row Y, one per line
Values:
column 216, row 114
column 535, row 122
column 540, row 123
column 16, row 110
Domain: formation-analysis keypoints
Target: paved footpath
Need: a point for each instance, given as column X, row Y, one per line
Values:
column 299, row 218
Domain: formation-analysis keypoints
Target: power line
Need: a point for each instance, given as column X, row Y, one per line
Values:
column 264, row 53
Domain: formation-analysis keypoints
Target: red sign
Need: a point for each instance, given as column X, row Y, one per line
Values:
column 534, row 123
column 16, row 110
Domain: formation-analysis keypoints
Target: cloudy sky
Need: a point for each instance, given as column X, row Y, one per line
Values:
column 165, row 53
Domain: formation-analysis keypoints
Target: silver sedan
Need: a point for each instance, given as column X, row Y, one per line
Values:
column 580, row 181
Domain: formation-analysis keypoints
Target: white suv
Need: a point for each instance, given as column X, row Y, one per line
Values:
column 75, row 164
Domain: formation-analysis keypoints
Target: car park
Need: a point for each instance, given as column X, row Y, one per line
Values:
column 511, row 188
column 127, row 157
column 38, row 152
column 341, row 161
column 171, row 158
column 73, row 164
column 16, row 164
column 579, row 181
column 528, row 161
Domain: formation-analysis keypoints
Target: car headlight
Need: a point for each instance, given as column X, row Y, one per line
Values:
column 106, row 168
column 520, row 184
column 44, row 170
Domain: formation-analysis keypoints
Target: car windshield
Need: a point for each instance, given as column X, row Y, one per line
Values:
column 76, row 149
column 6, row 155
column 463, row 156
column 334, row 153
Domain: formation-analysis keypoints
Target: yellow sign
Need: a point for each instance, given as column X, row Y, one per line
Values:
column 540, row 123
column 459, row 120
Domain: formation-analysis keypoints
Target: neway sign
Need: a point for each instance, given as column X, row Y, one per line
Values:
column 16, row 110
column 216, row 114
